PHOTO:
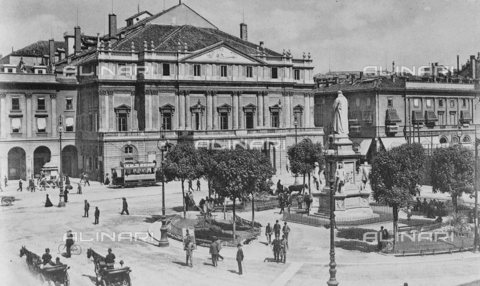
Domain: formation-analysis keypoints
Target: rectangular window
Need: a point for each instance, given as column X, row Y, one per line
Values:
column 69, row 123
column 452, row 103
column 249, row 120
column 440, row 103
column 166, row 69
column 122, row 119
column 16, row 124
column 69, row 103
column 441, row 118
column 167, row 121
column 390, row 102
column 223, row 120
column 41, row 124
column 453, row 118
column 41, row 103
column 249, row 71
column 416, row 102
column 196, row 70
column 464, row 102
column 429, row 103
column 275, row 119
column 274, row 72
column 15, row 103
column 296, row 74
column 223, row 71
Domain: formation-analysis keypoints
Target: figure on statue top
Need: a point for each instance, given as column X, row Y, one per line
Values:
column 340, row 118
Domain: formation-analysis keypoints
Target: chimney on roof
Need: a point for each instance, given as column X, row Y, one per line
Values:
column 473, row 64
column 112, row 25
column 243, row 32
column 78, row 40
column 458, row 64
column 51, row 51
column 261, row 45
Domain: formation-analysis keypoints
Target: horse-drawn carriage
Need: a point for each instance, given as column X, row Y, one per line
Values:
column 107, row 276
column 49, row 175
column 53, row 274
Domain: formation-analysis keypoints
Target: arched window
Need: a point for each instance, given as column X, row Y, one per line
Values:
column 455, row 140
column 443, row 140
column 128, row 149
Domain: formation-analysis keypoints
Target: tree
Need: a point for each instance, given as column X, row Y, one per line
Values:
column 182, row 163
column 452, row 171
column 303, row 157
column 209, row 161
column 395, row 177
column 240, row 173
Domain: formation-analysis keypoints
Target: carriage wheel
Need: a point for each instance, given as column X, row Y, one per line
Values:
column 66, row 280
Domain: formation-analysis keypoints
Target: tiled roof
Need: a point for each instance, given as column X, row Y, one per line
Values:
column 166, row 38
column 365, row 84
column 38, row 49
column 138, row 14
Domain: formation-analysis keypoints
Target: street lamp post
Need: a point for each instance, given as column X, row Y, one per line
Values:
column 475, row 183
column 61, row 203
column 333, row 271
column 163, row 230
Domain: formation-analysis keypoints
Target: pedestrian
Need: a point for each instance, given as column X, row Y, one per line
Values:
column 124, row 207
column 65, row 195
column 300, row 201
column 86, row 208
column 68, row 243
column 47, row 258
column 97, row 215
column 82, row 177
column 86, row 180
column 43, row 184
column 279, row 187
column 6, row 181
column 276, row 249
column 281, row 198
column 268, row 233
column 240, row 258
column 107, row 180
column 283, row 249
column 79, row 188
column 31, row 185
column 198, row 185
column 219, row 247
column 190, row 187
column 67, row 180
column 48, row 203
column 380, row 239
column 20, row 185
column 285, row 230
column 214, row 251
column 276, row 229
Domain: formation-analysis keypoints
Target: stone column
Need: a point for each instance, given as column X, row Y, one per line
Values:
column 215, row 111
column 181, row 110
column 148, row 110
column 111, row 115
column 132, row 116
column 3, row 117
column 54, row 119
column 235, row 108
column 28, row 115
column 187, row 111
column 239, row 112
column 312, row 110
column 286, row 110
column 306, row 110
column 290, row 103
column 266, row 110
column 209, row 114
column 260, row 109
column 176, row 114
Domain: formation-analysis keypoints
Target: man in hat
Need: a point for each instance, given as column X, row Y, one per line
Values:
column 97, row 215
column 240, row 258
column 47, row 258
column 110, row 259
column 68, row 243
column 214, row 251
column 86, row 208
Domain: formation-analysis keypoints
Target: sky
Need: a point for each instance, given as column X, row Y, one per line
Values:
column 340, row 34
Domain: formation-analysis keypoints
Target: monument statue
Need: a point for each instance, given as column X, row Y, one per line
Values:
column 340, row 178
column 316, row 176
column 340, row 118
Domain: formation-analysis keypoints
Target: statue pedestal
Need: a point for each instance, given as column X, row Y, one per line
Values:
column 351, row 203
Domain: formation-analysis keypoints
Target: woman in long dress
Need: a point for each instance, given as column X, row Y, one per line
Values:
column 48, row 203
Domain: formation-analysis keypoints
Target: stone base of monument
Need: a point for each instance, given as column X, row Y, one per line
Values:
column 349, row 206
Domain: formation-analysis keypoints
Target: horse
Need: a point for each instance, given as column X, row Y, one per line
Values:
column 33, row 260
column 297, row 188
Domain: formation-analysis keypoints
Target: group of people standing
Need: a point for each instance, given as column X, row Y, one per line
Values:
column 280, row 245
column 432, row 209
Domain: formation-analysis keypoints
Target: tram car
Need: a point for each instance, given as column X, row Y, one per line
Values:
column 131, row 174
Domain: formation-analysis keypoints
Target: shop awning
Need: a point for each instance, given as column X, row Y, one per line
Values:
column 362, row 146
column 390, row 142
column 392, row 116
column 465, row 116
column 430, row 116
column 417, row 117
